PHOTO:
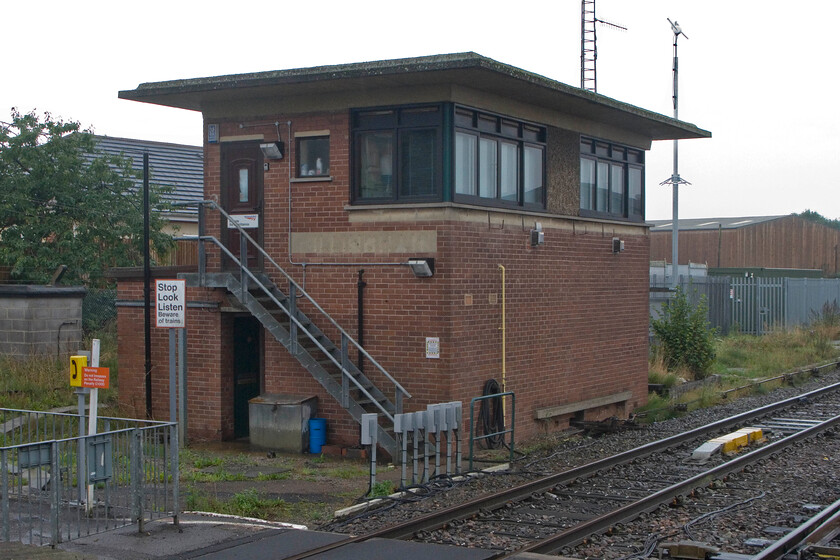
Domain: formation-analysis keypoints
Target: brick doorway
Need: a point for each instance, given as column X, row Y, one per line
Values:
column 247, row 358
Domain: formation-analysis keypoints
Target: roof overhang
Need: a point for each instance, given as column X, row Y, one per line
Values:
column 462, row 70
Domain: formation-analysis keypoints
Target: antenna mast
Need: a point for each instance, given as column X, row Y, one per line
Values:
column 588, row 45
column 675, row 180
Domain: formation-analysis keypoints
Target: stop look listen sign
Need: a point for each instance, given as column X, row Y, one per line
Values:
column 170, row 303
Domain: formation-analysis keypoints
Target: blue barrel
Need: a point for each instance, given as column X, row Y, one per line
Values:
column 317, row 434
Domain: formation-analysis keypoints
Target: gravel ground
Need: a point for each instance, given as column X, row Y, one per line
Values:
column 558, row 454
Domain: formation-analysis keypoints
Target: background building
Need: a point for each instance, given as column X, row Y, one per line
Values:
column 787, row 242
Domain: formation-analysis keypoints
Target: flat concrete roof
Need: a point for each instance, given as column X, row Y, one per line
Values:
column 467, row 70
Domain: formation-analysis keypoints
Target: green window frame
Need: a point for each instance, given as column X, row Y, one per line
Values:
column 397, row 154
column 611, row 180
column 497, row 160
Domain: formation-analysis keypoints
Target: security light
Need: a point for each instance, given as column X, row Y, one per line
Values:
column 422, row 268
column 272, row 150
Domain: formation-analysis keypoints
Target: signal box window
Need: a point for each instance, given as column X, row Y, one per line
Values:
column 313, row 156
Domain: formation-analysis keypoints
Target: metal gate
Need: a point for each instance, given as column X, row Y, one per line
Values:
column 57, row 485
column 758, row 304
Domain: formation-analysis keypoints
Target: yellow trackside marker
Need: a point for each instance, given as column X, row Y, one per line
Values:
column 728, row 443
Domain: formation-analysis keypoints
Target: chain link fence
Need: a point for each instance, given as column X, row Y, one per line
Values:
column 99, row 310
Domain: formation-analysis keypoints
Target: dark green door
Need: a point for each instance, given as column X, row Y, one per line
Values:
column 246, row 370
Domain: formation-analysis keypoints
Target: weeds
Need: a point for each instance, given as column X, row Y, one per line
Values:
column 382, row 489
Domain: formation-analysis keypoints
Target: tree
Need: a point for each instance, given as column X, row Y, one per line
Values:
column 819, row 218
column 61, row 202
column 684, row 334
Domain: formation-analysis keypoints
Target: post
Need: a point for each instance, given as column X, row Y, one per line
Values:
column 174, row 458
column 172, row 357
column 202, row 252
column 55, row 494
column 293, row 331
column 345, row 362
column 243, row 264
column 360, row 317
column 147, row 281
column 136, row 463
column 4, row 496
column 92, row 418
column 182, row 386
column 675, row 180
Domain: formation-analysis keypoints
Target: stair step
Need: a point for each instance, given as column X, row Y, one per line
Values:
column 320, row 355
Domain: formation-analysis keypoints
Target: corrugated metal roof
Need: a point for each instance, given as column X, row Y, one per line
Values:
column 174, row 165
column 695, row 224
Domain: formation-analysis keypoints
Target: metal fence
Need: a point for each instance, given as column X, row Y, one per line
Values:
column 715, row 290
column 754, row 305
column 806, row 298
column 58, row 484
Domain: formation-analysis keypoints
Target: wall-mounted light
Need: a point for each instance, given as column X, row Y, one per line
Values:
column 617, row 245
column 537, row 235
column 272, row 150
column 422, row 268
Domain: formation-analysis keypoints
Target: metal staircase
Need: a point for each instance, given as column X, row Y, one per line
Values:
column 329, row 363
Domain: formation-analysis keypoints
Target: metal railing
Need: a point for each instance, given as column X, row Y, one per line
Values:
column 295, row 290
column 58, row 484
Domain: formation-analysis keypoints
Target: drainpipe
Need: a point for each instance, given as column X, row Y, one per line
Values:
column 504, row 341
column 360, row 320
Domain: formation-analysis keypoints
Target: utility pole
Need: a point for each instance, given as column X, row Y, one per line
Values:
column 675, row 180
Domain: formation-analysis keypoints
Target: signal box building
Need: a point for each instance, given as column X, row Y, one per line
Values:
column 460, row 219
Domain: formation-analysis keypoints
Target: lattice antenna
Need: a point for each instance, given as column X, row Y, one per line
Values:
column 589, row 46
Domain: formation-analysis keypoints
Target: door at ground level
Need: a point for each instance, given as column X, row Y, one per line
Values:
column 247, row 351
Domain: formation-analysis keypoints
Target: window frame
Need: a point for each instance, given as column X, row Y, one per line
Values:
column 311, row 136
column 609, row 156
column 400, row 122
column 505, row 131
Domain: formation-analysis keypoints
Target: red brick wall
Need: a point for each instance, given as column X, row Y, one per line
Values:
column 577, row 314
column 210, row 412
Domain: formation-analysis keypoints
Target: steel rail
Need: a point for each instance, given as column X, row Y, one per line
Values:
column 438, row 519
column 600, row 524
column 810, row 532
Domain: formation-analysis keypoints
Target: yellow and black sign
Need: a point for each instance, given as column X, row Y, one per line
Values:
column 77, row 364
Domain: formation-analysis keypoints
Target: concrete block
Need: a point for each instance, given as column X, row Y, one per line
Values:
column 705, row 451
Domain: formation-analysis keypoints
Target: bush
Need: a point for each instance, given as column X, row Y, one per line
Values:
column 684, row 335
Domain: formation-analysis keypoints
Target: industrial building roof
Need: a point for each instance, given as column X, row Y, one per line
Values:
column 696, row 224
column 178, row 166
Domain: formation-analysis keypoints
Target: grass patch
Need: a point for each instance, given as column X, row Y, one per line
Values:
column 741, row 361
column 382, row 489
column 43, row 382
column 347, row 472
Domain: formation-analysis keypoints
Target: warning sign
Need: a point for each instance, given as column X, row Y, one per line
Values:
column 96, row 377
column 170, row 304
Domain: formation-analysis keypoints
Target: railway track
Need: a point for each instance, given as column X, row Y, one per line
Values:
column 557, row 512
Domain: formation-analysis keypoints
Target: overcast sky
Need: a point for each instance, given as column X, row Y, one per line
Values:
column 762, row 79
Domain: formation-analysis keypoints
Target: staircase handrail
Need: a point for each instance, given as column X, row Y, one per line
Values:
column 299, row 288
column 332, row 358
